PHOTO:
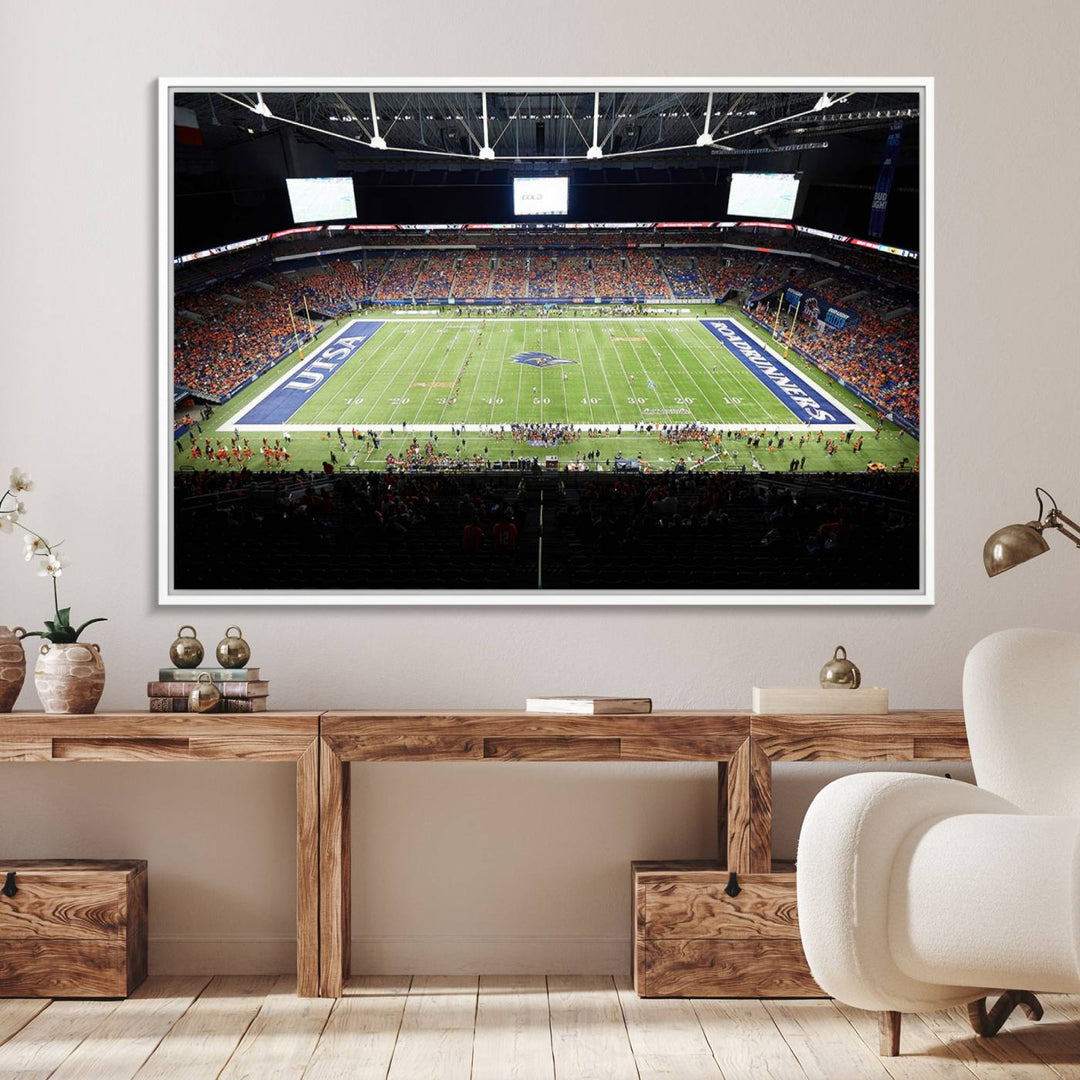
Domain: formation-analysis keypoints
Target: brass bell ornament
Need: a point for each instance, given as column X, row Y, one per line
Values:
column 186, row 651
column 840, row 673
column 204, row 695
column 233, row 652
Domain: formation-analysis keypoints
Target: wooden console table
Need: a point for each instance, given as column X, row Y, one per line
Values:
column 260, row 737
column 743, row 745
column 322, row 745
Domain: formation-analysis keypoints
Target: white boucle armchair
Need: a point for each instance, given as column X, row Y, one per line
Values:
column 917, row 893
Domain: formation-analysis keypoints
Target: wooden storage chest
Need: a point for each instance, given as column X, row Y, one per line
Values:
column 692, row 939
column 71, row 928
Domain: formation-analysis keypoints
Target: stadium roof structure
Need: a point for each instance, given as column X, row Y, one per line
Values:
column 368, row 128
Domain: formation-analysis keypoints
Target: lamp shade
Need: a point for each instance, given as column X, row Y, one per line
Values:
column 1012, row 545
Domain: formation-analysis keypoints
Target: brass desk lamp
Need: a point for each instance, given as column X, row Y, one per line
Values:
column 1014, row 544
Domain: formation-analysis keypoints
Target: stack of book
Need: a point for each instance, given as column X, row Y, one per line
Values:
column 241, row 689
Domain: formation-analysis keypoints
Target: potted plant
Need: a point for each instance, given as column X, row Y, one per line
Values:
column 69, row 674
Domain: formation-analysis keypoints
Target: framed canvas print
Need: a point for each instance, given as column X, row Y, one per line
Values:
column 546, row 341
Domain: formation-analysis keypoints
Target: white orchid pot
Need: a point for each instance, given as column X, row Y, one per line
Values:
column 12, row 666
column 69, row 678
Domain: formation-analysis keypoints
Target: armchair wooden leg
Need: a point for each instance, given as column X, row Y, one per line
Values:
column 988, row 1024
column 889, row 1033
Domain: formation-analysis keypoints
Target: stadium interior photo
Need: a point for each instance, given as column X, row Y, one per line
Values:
column 563, row 340
column 539, row 542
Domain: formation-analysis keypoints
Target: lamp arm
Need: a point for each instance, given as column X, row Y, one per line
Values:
column 1055, row 519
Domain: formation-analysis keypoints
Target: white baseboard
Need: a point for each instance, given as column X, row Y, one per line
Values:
column 430, row 954
column 439, row 954
column 221, row 956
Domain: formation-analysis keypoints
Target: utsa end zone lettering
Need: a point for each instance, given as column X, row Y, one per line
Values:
column 328, row 362
column 776, row 374
column 279, row 403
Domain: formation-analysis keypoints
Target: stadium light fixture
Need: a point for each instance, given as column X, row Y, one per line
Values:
column 1016, row 544
column 377, row 142
column 486, row 153
column 705, row 138
column 594, row 152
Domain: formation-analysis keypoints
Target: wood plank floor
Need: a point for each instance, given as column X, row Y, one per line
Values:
column 525, row 1027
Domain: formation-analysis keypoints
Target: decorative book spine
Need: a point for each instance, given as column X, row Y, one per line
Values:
column 226, row 689
column 216, row 674
column 228, row 705
column 242, row 705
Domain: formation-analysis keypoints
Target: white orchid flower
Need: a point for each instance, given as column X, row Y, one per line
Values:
column 20, row 481
column 34, row 545
column 53, row 566
column 6, row 523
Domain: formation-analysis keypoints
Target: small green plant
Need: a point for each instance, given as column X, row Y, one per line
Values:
column 51, row 563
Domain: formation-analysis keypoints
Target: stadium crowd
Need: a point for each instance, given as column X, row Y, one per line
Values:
column 230, row 339
column 683, row 277
column 508, row 280
column 575, row 276
column 473, row 276
column 228, row 331
column 453, row 530
column 436, row 276
column 399, row 280
column 542, row 280
column 644, row 277
column 609, row 274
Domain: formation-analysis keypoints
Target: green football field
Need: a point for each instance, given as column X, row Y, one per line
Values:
column 434, row 375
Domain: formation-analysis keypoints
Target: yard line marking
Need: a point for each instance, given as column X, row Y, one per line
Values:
column 361, row 368
column 476, row 375
column 566, row 400
column 748, row 387
column 448, row 357
column 602, row 356
column 401, row 391
column 392, row 379
column 704, row 396
column 648, row 379
column 498, row 382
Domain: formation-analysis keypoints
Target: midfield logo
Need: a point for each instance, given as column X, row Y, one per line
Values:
column 539, row 359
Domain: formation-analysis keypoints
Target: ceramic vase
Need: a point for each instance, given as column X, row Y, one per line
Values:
column 12, row 666
column 69, row 678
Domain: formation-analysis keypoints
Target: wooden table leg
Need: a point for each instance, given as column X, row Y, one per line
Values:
column 335, row 929
column 307, row 872
column 749, row 810
column 722, row 813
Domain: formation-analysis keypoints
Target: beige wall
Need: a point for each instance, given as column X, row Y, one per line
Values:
column 494, row 867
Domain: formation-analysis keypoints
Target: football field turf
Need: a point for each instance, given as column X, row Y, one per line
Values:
column 418, row 376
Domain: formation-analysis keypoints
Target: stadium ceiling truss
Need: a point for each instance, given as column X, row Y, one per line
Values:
column 552, row 125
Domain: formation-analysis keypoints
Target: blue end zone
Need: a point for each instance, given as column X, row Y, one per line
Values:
column 284, row 400
column 800, row 397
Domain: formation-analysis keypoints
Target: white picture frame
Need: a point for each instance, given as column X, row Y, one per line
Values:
column 168, row 594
